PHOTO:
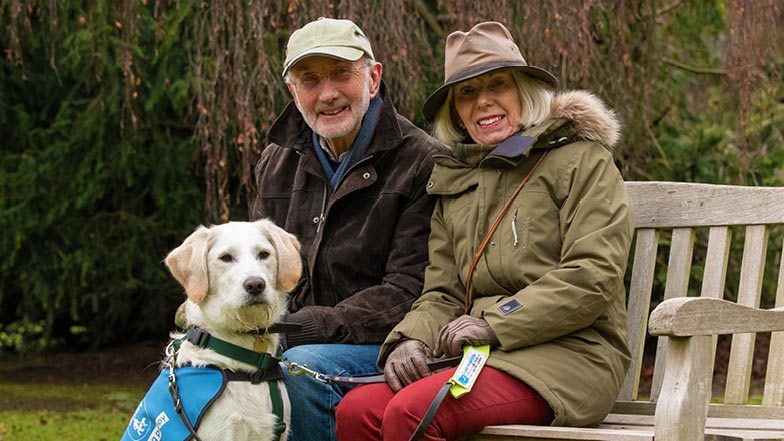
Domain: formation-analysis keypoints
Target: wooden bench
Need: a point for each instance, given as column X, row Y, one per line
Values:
column 681, row 405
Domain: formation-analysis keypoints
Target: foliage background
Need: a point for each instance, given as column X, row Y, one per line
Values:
column 124, row 124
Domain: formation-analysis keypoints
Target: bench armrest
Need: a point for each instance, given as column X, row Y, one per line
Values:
column 689, row 316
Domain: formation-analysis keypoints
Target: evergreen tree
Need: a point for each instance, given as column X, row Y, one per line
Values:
column 126, row 124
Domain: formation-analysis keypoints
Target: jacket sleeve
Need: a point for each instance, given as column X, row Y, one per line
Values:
column 595, row 226
column 443, row 295
column 367, row 316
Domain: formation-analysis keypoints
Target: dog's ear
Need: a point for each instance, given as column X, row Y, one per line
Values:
column 287, row 250
column 188, row 264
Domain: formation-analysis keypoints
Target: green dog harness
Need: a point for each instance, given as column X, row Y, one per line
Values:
column 176, row 402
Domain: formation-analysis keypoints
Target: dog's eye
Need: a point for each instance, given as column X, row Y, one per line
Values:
column 226, row 257
column 263, row 255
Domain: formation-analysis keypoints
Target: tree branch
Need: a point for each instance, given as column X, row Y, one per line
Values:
column 693, row 69
column 668, row 8
column 428, row 17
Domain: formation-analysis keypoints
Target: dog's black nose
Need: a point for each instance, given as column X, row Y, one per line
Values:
column 254, row 285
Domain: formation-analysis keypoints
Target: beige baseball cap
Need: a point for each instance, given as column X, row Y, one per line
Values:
column 330, row 37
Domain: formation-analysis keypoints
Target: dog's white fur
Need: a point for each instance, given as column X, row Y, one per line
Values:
column 214, row 265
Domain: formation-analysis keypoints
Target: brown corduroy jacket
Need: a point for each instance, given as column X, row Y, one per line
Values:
column 364, row 247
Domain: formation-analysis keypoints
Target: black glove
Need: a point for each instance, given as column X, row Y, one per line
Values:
column 406, row 364
column 462, row 330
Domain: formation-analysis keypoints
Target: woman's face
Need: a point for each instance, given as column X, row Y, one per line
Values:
column 489, row 106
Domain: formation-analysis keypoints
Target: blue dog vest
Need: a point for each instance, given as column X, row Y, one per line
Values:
column 156, row 419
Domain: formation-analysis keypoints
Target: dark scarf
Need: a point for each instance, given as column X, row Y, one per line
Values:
column 336, row 170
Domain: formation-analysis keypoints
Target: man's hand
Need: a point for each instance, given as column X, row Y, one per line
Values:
column 462, row 330
column 406, row 364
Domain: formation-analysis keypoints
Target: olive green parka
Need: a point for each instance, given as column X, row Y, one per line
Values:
column 550, row 282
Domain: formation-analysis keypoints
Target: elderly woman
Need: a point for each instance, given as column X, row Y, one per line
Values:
column 528, row 249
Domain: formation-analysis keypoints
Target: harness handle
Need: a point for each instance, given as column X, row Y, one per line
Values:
column 174, row 391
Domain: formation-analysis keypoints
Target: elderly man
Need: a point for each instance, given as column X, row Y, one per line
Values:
column 347, row 175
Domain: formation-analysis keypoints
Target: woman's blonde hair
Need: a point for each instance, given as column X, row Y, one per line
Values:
column 535, row 98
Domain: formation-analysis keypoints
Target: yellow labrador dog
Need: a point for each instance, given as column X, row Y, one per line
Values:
column 236, row 277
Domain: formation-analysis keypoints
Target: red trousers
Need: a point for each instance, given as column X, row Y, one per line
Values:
column 375, row 412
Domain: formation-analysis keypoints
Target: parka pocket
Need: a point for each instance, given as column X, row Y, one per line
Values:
column 519, row 231
column 460, row 223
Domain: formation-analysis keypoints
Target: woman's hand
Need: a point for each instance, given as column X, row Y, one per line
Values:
column 462, row 330
column 406, row 364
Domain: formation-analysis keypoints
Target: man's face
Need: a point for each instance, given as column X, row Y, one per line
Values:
column 333, row 95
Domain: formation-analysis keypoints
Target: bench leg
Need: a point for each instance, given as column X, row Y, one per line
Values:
column 682, row 409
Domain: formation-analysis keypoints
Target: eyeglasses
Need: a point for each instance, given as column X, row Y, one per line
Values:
column 340, row 75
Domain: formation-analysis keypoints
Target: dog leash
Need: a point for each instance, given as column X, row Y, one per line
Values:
column 431, row 412
column 297, row 370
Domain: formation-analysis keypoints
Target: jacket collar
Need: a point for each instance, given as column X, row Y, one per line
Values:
column 549, row 134
column 452, row 176
column 290, row 130
column 514, row 146
column 574, row 115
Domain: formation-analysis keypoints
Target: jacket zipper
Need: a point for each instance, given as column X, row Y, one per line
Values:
column 514, row 227
column 323, row 207
column 326, row 191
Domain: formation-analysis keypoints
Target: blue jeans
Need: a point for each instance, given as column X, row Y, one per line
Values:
column 312, row 402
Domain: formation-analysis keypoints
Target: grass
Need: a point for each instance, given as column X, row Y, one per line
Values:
column 72, row 412
column 44, row 412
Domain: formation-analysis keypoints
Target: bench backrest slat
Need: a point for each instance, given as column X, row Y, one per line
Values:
column 773, row 395
column 718, row 252
column 676, row 285
column 714, row 276
column 640, row 288
column 749, row 291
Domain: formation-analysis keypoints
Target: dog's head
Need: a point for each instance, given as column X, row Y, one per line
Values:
column 236, row 275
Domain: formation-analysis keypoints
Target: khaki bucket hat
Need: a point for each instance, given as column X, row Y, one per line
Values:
column 487, row 46
column 330, row 37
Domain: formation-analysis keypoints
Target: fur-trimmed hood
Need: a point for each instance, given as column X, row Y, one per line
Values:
column 590, row 117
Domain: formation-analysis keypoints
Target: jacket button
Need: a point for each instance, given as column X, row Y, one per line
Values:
column 430, row 184
column 316, row 220
column 492, row 243
column 366, row 175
